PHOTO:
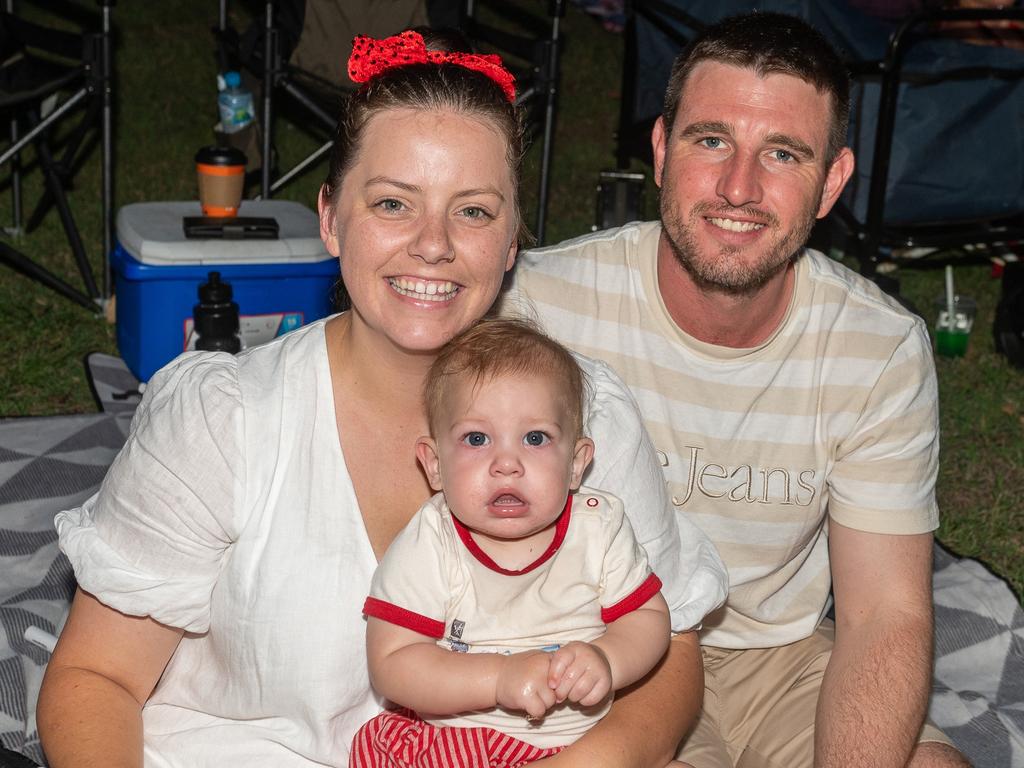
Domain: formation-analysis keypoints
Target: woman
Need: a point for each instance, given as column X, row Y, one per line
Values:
column 223, row 564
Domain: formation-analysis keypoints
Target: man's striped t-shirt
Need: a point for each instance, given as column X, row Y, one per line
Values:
column 833, row 416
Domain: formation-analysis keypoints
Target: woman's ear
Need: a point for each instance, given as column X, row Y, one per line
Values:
column 328, row 220
column 513, row 251
column 426, row 452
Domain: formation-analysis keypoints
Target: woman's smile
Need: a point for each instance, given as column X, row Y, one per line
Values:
column 423, row 289
column 424, row 225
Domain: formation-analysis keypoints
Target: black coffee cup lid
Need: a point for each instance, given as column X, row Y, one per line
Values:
column 213, row 155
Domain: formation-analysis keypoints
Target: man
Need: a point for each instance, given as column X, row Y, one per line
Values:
column 794, row 405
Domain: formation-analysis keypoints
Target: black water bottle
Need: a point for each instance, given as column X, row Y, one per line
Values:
column 216, row 317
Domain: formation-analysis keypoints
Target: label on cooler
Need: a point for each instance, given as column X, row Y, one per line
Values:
column 255, row 329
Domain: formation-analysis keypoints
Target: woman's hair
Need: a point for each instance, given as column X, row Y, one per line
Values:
column 497, row 347
column 429, row 87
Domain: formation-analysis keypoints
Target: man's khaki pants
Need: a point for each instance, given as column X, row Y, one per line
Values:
column 759, row 706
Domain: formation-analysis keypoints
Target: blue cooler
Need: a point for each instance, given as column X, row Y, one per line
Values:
column 278, row 284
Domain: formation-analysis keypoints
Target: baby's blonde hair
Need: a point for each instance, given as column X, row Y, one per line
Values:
column 496, row 347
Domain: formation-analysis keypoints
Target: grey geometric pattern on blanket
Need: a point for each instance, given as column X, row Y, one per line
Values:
column 46, row 465
column 115, row 387
column 55, row 463
column 978, row 686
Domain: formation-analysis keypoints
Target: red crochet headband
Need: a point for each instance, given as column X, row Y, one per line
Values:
column 370, row 57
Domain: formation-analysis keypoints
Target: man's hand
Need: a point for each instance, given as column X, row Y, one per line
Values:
column 522, row 683
column 580, row 672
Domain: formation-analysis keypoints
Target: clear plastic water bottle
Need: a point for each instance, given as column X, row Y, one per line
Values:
column 235, row 103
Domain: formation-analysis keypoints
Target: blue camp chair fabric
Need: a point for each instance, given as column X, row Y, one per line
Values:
column 958, row 150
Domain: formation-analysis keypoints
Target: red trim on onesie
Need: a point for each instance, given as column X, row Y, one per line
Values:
column 631, row 602
column 561, row 526
column 393, row 614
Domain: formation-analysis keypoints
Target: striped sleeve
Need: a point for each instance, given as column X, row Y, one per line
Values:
column 885, row 471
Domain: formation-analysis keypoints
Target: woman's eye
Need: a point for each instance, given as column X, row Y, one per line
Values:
column 475, row 212
column 392, row 206
column 536, row 437
column 711, row 142
column 475, row 439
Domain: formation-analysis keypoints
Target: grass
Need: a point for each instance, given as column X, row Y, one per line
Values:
column 165, row 109
column 981, row 471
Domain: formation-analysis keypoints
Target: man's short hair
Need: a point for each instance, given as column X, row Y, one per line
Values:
column 769, row 43
column 496, row 347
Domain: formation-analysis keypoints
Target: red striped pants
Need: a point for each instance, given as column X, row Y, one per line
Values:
column 401, row 740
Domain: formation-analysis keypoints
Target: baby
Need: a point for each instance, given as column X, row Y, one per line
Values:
column 515, row 602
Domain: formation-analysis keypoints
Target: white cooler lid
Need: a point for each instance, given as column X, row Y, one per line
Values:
column 153, row 233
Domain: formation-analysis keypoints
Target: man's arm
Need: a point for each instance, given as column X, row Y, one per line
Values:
column 875, row 691
column 648, row 720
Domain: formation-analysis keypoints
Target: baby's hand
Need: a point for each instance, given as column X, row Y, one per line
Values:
column 523, row 683
column 580, row 673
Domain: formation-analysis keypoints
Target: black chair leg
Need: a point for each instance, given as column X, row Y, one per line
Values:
column 76, row 151
column 67, row 219
column 29, row 268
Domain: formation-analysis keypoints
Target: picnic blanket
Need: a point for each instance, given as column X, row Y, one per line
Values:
column 53, row 463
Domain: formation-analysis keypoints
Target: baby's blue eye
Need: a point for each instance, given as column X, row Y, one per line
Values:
column 536, row 437
column 476, row 439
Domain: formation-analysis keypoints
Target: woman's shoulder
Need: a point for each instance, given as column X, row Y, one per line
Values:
column 202, row 377
column 607, row 394
column 220, row 386
column 216, row 370
column 303, row 347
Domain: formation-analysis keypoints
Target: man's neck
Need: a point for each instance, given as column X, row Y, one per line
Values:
column 717, row 317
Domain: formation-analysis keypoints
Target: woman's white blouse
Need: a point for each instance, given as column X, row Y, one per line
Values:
column 230, row 514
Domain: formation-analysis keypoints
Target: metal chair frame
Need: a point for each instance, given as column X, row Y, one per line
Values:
column 276, row 74
column 869, row 237
column 872, row 234
column 93, row 92
column 544, row 54
column 542, row 86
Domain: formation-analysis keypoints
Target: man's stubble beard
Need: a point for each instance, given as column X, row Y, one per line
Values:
column 723, row 272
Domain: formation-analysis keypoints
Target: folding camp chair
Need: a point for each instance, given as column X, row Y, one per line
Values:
column 48, row 76
column 263, row 52
column 921, row 113
column 266, row 56
column 935, row 121
column 539, row 50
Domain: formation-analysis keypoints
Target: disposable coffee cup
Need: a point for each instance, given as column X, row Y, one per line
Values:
column 953, row 331
column 221, row 175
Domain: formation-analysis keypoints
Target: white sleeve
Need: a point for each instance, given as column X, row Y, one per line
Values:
column 151, row 541
column 627, row 581
column 410, row 586
column 694, row 580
